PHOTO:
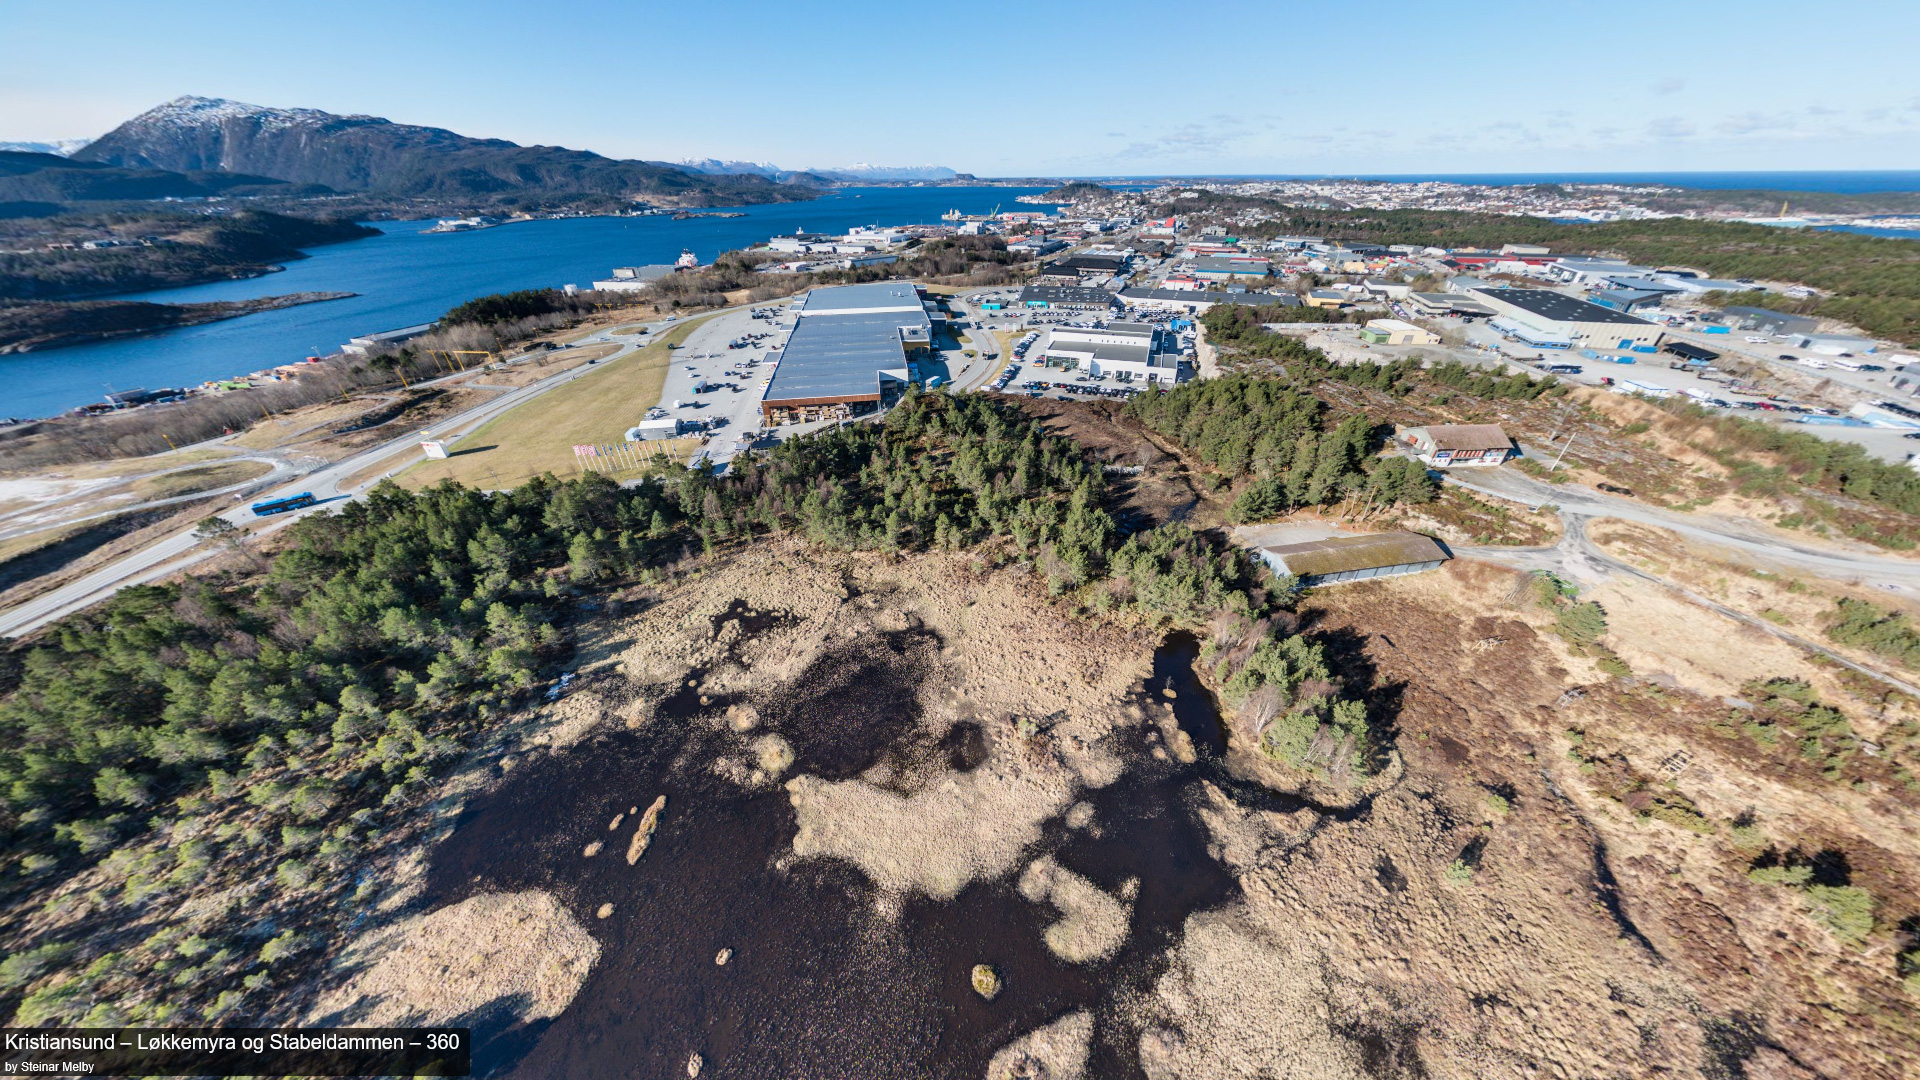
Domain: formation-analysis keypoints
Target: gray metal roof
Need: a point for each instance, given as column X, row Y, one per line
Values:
column 1558, row 307
column 878, row 294
column 840, row 355
column 1344, row 554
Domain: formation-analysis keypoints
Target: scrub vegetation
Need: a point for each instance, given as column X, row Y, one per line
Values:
column 280, row 720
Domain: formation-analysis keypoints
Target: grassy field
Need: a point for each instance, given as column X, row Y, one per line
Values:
column 539, row 437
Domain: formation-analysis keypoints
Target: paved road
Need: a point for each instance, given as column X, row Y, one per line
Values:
column 1740, row 535
column 1578, row 558
column 183, row 549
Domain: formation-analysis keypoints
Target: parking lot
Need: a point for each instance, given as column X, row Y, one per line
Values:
column 716, row 378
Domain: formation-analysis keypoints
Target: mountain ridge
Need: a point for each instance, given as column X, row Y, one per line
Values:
column 371, row 154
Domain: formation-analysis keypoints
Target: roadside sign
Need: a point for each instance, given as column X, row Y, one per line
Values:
column 434, row 449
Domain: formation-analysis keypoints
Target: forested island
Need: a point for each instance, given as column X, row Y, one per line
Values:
column 36, row 325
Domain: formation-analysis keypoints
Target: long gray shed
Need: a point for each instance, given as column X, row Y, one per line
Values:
column 1355, row 558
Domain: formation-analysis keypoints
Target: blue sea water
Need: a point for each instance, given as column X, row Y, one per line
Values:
column 407, row 276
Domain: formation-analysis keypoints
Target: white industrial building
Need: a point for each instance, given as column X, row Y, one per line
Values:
column 1129, row 351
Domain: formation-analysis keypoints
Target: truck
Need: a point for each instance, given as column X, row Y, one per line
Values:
column 284, row 504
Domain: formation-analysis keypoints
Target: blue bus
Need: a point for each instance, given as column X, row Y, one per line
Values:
column 281, row 506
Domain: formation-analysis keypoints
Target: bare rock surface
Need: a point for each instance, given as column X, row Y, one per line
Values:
column 1057, row 1051
column 522, row 952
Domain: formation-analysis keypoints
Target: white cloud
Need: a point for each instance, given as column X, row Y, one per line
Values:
column 1670, row 127
column 1672, row 84
column 1747, row 123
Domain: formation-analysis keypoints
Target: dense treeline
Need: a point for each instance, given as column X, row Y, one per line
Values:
column 1249, row 426
column 1869, row 281
column 198, row 249
column 515, row 306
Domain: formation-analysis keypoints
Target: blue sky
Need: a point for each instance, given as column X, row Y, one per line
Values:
column 1003, row 89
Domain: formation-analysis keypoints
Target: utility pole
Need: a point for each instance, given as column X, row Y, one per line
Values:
column 1563, row 452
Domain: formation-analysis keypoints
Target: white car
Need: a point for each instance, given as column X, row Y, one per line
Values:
column 1759, row 340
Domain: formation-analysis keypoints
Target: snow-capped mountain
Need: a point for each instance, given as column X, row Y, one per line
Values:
column 862, row 171
column 373, row 154
column 716, row 167
column 58, row 147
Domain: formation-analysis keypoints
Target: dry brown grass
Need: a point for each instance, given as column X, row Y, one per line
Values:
column 199, row 478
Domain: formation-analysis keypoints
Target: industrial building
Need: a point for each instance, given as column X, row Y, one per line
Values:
column 1224, row 268
column 1065, row 296
column 1197, row 300
column 1548, row 319
column 1355, row 558
column 1447, row 303
column 851, row 351
column 1395, row 332
column 1629, row 299
column 1767, row 321
column 1445, row 445
column 1129, row 351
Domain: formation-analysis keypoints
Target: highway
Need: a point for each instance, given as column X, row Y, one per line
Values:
column 184, row 548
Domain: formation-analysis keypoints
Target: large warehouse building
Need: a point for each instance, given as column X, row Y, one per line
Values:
column 850, row 352
column 1550, row 319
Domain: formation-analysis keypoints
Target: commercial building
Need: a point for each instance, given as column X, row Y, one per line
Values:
column 1446, row 445
column 385, row 339
column 1395, row 332
column 1439, row 303
column 1629, row 299
column 1065, row 296
column 1129, row 351
column 1198, row 301
column 1554, row 315
column 1342, row 559
column 1766, row 321
column 851, row 351
column 1223, row 268
column 1328, row 298
column 1589, row 269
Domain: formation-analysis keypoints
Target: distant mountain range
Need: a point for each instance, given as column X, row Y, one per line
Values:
column 367, row 154
column 854, row 173
column 61, row 147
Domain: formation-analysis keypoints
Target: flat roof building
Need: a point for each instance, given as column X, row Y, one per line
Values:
column 1065, row 296
column 1561, row 316
column 1446, row 303
column 1130, row 351
column 1770, row 321
column 1342, row 559
column 851, row 349
column 1395, row 332
column 1201, row 300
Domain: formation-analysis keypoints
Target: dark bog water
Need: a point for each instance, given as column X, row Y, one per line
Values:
column 1192, row 703
column 822, row 982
